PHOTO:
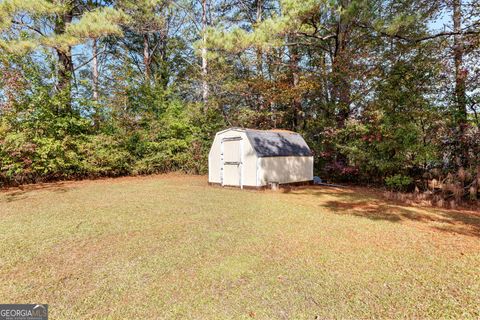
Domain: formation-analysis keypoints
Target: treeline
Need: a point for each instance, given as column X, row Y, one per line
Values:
column 385, row 92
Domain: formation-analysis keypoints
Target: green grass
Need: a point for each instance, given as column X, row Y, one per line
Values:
column 172, row 247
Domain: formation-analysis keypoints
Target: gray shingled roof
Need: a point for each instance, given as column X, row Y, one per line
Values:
column 277, row 143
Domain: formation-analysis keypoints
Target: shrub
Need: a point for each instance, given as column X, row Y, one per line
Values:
column 103, row 155
column 398, row 182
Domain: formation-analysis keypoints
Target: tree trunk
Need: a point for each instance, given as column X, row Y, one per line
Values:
column 65, row 69
column 474, row 188
column 460, row 73
column 460, row 84
column 65, row 62
column 95, row 70
column 341, row 80
column 146, row 57
column 259, row 50
column 477, row 182
column 297, row 100
column 205, row 89
column 96, row 115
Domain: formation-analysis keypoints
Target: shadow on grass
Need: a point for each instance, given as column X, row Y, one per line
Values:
column 465, row 223
column 370, row 205
column 20, row 193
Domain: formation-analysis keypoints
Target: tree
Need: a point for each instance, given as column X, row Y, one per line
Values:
column 26, row 27
column 150, row 22
column 204, row 52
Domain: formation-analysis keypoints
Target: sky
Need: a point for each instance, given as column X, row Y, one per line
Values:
column 443, row 22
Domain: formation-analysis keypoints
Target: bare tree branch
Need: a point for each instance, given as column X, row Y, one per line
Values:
column 28, row 27
column 89, row 60
column 416, row 40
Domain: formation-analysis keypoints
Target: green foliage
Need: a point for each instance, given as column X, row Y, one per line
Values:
column 398, row 182
column 36, row 31
column 104, row 155
column 397, row 130
column 367, row 82
column 98, row 23
column 38, row 143
column 42, row 140
column 164, row 145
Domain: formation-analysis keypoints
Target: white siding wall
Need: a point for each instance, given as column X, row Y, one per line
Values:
column 285, row 169
column 249, row 158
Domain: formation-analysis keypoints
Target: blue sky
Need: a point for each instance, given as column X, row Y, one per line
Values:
column 443, row 21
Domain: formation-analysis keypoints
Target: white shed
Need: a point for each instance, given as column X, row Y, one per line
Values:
column 254, row 158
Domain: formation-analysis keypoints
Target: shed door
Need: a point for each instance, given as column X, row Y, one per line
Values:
column 232, row 161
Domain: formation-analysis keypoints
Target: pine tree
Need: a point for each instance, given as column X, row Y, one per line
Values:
column 25, row 27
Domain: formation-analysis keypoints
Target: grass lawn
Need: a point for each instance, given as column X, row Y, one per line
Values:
column 172, row 247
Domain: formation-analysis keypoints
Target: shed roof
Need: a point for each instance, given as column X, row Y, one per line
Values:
column 277, row 143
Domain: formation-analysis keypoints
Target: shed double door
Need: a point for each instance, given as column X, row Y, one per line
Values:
column 232, row 161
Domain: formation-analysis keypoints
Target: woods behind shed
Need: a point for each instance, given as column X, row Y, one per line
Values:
column 254, row 158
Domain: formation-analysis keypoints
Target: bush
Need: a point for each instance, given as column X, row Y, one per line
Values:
column 102, row 155
column 398, row 182
column 44, row 135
